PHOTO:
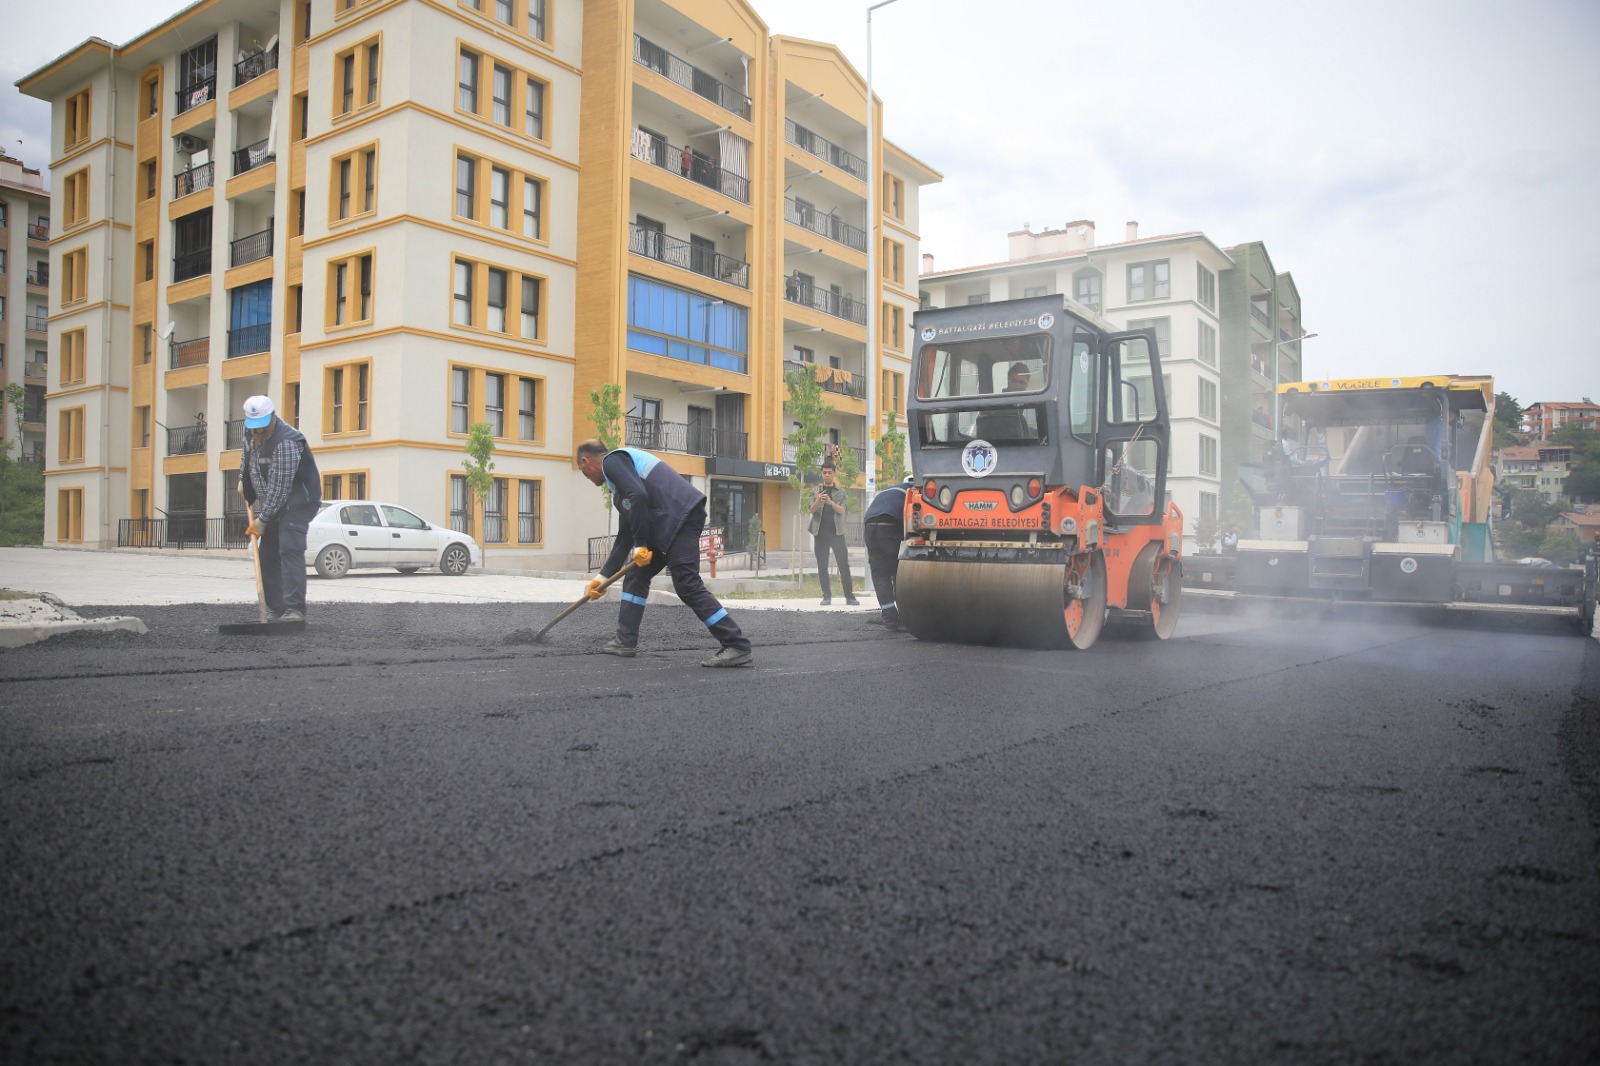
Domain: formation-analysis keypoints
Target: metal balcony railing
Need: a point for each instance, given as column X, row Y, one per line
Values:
column 649, row 54
column 38, row 277
column 33, row 412
column 36, row 368
column 38, row 231
column 195, row 93
column 184, row 529
column 36, row 323
column 658, row 153
column 233, row 434
column 824, row 149
column 1260, row 316
column 248, row 340
column 830, row 225
column 254, row 65
column 249, row 249
column 186, row 440
column 191, row 265
column 193, row 180
column 251, row 156
column 654, row 435
column 196, row 352
column 841, row 382
column 681, row 253
column 828, row 302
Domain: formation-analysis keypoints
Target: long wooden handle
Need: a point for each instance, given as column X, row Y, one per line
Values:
column 607, row 583
column 255, row 556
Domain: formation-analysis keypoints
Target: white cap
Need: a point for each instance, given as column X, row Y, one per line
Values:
column 257, row 412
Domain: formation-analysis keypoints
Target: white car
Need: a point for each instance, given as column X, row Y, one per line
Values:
column 351, row 533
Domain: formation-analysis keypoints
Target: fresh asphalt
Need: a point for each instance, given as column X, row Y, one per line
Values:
column 396, row 838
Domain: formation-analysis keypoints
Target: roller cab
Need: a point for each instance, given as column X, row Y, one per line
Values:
column 1039, row 439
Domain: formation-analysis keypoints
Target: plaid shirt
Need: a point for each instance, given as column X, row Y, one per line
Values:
column 268, row 477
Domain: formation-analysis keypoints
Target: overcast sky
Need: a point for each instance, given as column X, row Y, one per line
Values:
column 1426, row 170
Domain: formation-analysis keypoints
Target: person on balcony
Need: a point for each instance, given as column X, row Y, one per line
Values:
column 279, row 478
column 660, row 517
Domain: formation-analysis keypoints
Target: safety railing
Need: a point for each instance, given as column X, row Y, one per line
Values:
column 681, row 253
column 654, row 435
column 251, row 248
column 184, row 529
column 248, row 340
column 186, row 440
column 649, row 54
column 681, row 161
column 254, row 65
column 251, row 156
column 191, row 264
column 827, row 301
column 830, row 225
column 193, row 179
column 824, row 149
column 195, row 93
column 195, row 352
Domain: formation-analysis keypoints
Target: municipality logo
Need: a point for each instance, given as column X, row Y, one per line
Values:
column 978, row 458
column 928, row 333
column 1046, row 320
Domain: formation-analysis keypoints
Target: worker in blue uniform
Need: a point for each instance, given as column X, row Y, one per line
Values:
column 660, row 516
column 884, row 524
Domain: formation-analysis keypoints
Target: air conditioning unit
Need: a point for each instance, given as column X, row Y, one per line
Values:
column 187, row 143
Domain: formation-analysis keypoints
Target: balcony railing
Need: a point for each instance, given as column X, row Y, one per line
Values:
column 38, row 277
column 254, row 65
column 1260, row 316
column 825, row 300
column 184, row 529
column 832, row 379
column 824, row 149
column 33, row 411
column 249, row 249
column 652, row 55
column 191, row 265
column 251, row 156
column 654, row 435
column 196, row 93
column 193, row 180
column 186, row 440
column 248, row 340
column 38, row 323
column 830, row 226
column 658, row 153
column 196, row 352
column 790, row 454
column 36, row 368
column 38, row 231
column 233, row 434
column 681, row 253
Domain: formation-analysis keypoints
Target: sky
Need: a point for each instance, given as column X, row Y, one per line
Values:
column 1415, row 166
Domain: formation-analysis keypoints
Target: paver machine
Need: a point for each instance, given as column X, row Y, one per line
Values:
column 1039, row 440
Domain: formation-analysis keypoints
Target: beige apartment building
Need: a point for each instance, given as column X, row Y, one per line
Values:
column 401, row 217
column 24, row 304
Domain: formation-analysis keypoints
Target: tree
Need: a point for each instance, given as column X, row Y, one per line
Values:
column 1507, row 420
column 21, row 482
column 480, row 471
column 1241, row 510
column 809, row 438
column 892, row 451
column 1206, row 533
column 606, row 412
column 1561, row 547
column 1582, row 484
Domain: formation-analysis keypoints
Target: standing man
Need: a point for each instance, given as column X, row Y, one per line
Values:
column 885, row 529
column 827, row 531
column 279, row 478
column 660, row 516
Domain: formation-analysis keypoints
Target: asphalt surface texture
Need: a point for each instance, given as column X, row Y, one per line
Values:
column 397, row 839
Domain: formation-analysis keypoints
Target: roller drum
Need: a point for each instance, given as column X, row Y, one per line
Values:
column 1012, row 604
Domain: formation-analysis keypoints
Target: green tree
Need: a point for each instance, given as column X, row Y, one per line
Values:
column 1561, row 547
column 892, row 451
column 605, row 411
column 480, row 471
column 21, row 481
column 1207, row 531
column 1583, row 481
column 1507, row 419
column 809, row 438
column 1241, row 511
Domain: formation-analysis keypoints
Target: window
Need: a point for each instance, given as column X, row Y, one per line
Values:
column 894, row 196
column 496, row 300
column 147, row 260
column 147, row 336
column 345, row 485
column 894, row 261
column 1208, row 399
column 460, row 505
column 75, row 197
column 492, row 298
column 679, row 324
column 894, row 334
column 71, row 442
column 1208, row 456
column 297, row 307
column 1149, row 281
column 894, row 384
column 197, row 75
column 346, row 389
column 1207, row 344
column 1205, row 287
column 980, row 298
column 494, row 403
column 75, row 276
column 530, row 512
column 524, row 16
column 69, row 515
column 1035, row 290
column 350, row 290
column 150, row 180
column 528, row 409
column 250, row 318
column 356, row 77
column 72, row 356
column 1163, row 331
column 491, row 193
column 461, row 313
column 510, row 90
column 460, row 399
column 529, row 307
column 191, row 251
column 76, row 128
column 152, row 95
column 1086, row 288
column 354, row 184
column 142, row 426
column 1208, row 507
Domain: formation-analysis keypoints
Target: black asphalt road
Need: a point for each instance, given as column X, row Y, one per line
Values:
column 397, row 840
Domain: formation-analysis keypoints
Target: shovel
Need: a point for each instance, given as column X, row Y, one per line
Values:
column 520, row 637
column 263, row 627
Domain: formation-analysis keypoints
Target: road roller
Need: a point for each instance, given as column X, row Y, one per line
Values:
column 1038, row 514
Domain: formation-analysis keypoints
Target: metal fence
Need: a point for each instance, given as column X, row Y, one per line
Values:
column 182, row 529
column 649, row 54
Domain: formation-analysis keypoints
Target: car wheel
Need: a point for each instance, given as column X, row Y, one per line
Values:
column 455, row 561
column 408, row 569
column 333, row 562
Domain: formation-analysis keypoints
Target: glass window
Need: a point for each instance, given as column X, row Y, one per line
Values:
column 532, row 195
column 1130, row 390
column 533, row 110
column 1086, row 289
column 494, row 403
column 501, row 112
column 467, row 82
column 400, row 518
column 530, row 308
column 463, row 297
column 466, row 183
column 1149, row 281
column 528, row 410
column 460, row 399
column 1205, row 286
column 500, row 198
column 497, row 302
column 1081, row 387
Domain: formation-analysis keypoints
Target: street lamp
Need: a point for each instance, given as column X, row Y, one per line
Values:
column 1276, row 428
column 874, row 306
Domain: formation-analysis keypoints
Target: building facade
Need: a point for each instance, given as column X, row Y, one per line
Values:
column 1543, row 419
column 24, row 305
column 1226, row 322
column 399, row 218
column 1540, row 468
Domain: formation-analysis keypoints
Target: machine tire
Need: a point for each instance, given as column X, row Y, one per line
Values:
column 455, row 560
column 1146, row 591
column 333, row 562
column 1085, row 616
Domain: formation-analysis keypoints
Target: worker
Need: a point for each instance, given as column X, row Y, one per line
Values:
column 1017, row 378
column 279, row 479
column 660, row 516
column 827, row 532
column 885, row 529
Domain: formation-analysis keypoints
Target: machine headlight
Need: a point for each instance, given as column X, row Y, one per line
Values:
column 1017, row 496
column 945, row 496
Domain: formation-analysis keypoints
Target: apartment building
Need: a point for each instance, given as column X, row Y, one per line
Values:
column 24, row 304
column 1541, row 467
column 1543, row 419
column 402, row 217
column 1228, row 325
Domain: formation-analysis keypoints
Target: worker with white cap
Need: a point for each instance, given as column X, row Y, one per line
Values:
column 279, row 478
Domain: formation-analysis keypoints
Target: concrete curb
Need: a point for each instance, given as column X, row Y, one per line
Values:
column 41, row 617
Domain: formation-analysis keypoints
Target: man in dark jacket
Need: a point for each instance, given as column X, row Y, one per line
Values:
column 885, row 529
column 279, row 478
column 827, row 534
column 660, row 516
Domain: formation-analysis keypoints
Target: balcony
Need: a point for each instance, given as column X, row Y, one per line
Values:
column 36, row 323
column 680, row 253
column 832, row 379
column 191, row 265
column 653, row 435
column 186, row 440
column 658, row 153
column 250, row 249
column 1260, row 316
column 196, row 93
column 39, row 277
column 830, row 225
column 649, row 54
column 233, row 434
column 828, row 302
column 36, row 368
column 196, row 352
column 254, row 65
column 824, row 149
column 251, row 156
column 38, row 231
column 194, row 179
column 248, row 340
